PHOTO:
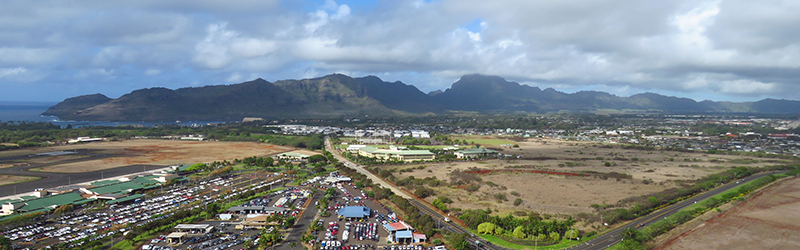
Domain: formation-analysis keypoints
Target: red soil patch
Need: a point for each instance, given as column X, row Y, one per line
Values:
column 522, row 171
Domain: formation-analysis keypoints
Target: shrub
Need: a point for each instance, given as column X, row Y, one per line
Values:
column 444, row 199
column 517, row 202
column 423, row 192
column 500, row 197
column 472, row 188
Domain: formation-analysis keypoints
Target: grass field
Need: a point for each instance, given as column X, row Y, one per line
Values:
column 484, row 140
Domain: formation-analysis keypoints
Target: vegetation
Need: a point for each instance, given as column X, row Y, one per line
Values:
column 513, row 227
column 33, row 134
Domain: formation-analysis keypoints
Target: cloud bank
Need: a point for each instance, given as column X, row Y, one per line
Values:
column 720, row 50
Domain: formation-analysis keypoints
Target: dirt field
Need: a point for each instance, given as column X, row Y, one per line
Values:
column 571, row 195
column 771, row 220
column 10, row 179
column 155, row 152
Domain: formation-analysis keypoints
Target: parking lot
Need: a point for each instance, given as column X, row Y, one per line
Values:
column 87, row 225
column 340, row 233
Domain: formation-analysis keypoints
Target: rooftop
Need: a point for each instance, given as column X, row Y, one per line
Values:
column 354, row 211
column 50, row 201
column 122, row 187
column 293, row 154
column 477, row 151
column 192, row 226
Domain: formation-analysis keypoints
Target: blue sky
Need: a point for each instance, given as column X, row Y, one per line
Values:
column 719, row 50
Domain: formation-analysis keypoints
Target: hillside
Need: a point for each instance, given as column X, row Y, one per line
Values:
column 339, row 95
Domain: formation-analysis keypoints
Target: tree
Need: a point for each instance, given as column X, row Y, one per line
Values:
column 317, row 158
column 486, row 228
column 554, row 236
column 572, row 234
column 5, row 244
column 459, row 242
column 519, row 233
column 319, row 169
column 439, row 204
column 635, row 235
column 541, row 237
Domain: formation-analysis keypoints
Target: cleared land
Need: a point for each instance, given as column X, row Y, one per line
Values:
column 11, row 179
column 153, row 152
column 631, row 172
column 771, row 220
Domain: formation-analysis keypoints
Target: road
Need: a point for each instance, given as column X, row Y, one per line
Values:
column 301, row 225
column 440, row 218
column 613, row 237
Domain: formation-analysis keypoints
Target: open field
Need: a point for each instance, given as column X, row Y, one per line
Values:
column 770, row 220
column 484, row 140
column 11, row 179
column 630, row 173
column 149, row 152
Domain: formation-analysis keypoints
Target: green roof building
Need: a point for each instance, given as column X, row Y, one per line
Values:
column 475, row 153
column 41, row 204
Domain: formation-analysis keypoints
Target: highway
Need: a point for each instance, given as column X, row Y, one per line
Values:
column 603, row 241
column 613, row 237
column 440, row 218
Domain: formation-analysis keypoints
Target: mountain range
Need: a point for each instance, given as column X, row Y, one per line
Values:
column 339, row 95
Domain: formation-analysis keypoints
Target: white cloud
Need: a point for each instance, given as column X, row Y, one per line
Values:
column 8, row 72
column 708, row 46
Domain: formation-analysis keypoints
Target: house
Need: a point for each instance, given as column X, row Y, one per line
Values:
column 475, row 153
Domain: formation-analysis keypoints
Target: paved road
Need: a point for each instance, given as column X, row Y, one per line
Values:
column 51, row 179
column 613, row 237
column 440, row 218
column 301, row 226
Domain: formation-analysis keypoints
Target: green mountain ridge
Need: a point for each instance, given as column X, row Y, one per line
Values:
column 339, row 95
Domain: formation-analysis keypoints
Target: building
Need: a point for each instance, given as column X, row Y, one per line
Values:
column 292, row 156
column 40, row 204
column 396, row 154
column 354, row 212
column 194, row 228
column 401, row 232
column 257, row 210
column 85, row 139
column 176, row 238
column 475, row 153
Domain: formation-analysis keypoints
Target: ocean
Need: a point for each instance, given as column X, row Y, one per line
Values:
column 31, row 112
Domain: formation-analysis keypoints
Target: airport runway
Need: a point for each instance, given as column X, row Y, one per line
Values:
column 52, row 179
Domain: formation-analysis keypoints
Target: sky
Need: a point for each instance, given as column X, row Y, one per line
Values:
column 718, row 50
